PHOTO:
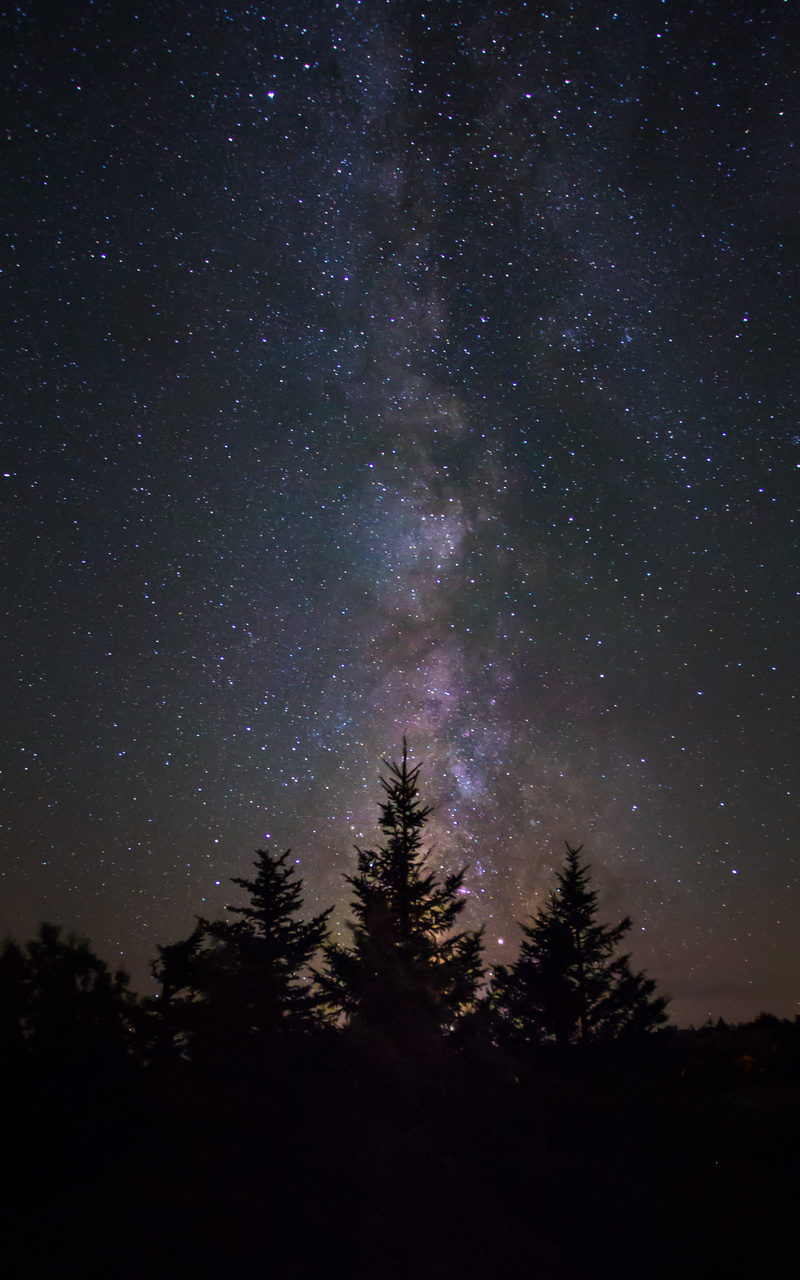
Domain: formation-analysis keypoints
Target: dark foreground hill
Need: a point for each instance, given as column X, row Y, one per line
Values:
column 353, row 1159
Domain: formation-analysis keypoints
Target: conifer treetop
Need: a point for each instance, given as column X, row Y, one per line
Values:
column 406, row 967
column 568, row 984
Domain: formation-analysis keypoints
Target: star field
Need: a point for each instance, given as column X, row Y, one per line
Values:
column 385, row 368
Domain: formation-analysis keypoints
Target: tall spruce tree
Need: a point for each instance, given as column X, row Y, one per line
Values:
column 568, row 986
column 245, row 982
column 407, row 974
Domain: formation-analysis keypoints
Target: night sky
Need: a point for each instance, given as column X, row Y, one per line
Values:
column 399, row 368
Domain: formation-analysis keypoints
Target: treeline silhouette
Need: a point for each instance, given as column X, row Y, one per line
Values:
column 289, row 1105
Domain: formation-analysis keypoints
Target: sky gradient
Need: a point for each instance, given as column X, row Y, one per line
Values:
column 386, row 368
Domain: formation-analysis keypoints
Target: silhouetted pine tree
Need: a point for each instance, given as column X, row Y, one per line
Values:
column 406, row 973
column 243, row 983
column 567, row 985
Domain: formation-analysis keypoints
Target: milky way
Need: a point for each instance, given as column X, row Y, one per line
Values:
column 389, row 369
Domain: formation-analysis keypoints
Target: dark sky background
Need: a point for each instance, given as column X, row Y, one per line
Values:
column 381, row 368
